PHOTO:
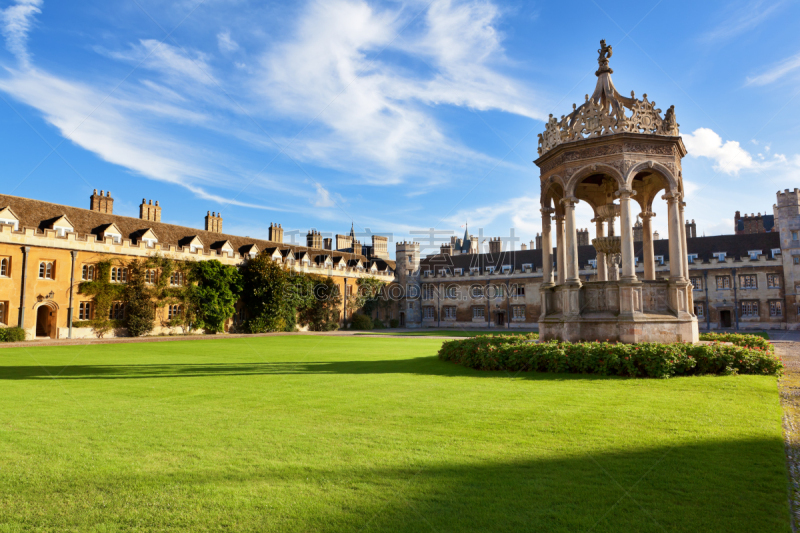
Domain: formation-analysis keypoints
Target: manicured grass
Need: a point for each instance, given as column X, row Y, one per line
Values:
column 313, row 433
column 445, row 332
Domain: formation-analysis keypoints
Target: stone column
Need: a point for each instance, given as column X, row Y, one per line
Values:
column 547, row 249
column 675, row 246
column 647, row 245
column 684, row 249
column 600, row 230
column 626, row 236
column 561, row 251
column 573, row 271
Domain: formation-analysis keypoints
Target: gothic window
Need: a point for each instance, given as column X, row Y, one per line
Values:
column 46, row 269
column 427, row 312
column 748, row 281
column 697, row 283
column 749, row 309
column 116, row 311
column 450, row 313
column 85, row 311
column 87, row 273
column 4, row 267
column 773, row 281
column 150, row 276
column 723, row 282
column 518, row 312
column 478, row 312
column 775, row 308
column 174, row 311
column 176, row 279
column 119, row 275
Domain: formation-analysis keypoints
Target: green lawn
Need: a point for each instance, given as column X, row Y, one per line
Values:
column 312, row 433
column 445, row 332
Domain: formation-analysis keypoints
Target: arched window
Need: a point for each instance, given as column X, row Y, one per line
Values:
column 119, row 275
column 85, row 311
column 46, row 270
column 88, row 273
column 150, row 276
column 174, row 311
column 176, row 279
column 4, row 267
column 116, row 311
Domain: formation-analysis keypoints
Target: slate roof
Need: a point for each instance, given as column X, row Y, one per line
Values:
column 735, row 246
column 34, row 213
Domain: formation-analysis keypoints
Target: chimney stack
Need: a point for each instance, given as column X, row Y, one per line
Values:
column 523, row 246
column 314, row 239
column 275, row 232
column 327, row 243
column 495, row 246
column 101, row 203
column 213, row 222
column 148, row 211
column 357, row 247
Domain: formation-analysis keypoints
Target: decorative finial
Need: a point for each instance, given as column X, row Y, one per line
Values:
column 605, row 54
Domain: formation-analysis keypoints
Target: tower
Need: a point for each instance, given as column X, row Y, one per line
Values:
column 787, row 220
column 407, row 260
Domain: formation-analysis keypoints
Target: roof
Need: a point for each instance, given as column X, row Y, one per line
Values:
column 735, row 246
column 31, row 214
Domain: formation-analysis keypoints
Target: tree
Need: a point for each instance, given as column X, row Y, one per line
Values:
column 369, row 296
column 321, row 313
column 271, row 295
column 213, row 291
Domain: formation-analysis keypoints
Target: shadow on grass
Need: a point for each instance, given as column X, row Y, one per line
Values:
column 419, row 365
column 705, row 487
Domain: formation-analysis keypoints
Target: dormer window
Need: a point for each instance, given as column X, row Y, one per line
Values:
column 659, row 259
column 458, row 271
column 474, row 269
column 593, row 263
column 692, row 258
column 720, row 256
column 529, row 266
column 7, row 216
column 149, row 238
column 754, row 254
column 506, row 269
column 775, row 251
column 489, row 270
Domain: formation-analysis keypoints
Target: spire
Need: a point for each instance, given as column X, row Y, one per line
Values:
column 352, row 230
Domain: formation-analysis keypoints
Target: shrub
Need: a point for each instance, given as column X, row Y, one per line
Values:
column 517, row 353
column 12, row 334
column 360, row 321
column 748, row 341
column 377, row 324
column 394, row 323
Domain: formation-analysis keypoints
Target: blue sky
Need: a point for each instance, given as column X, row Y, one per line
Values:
column 398, row 116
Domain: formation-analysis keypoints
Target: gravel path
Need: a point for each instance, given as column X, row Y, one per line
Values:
column 789, row 389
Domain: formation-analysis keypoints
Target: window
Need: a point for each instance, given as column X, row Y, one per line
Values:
column 529, row 266
column 794, row 235
column 85, row 311
column 659, row 259
column 411, row 305
column 458, row 271
column 428, row 292
column 87, row 273
column 474, row 269
column 478, row 312
column 506, row 269
column 427, row 313
column 119, row 275
column 692, row 257
column 796, row 259
column 451, row 292
column 443, row 272
column 477, row 291
column 176, row 279
column 748, row 281
column 754, row 254
column 775, row 251
column 426, row 273
column 723, row 282
column 499, row 292
column 174, row 311
column 776, row 308
column 46, row 270
column 697, row 284
column 408, row 272
column 518, row 312
column 489, row 270
column 593, row 263
column 720, row 255
column 116, row 311
column 150, row 276
column 449, row 312
column 410, row 258
column 520, row 290
column 3, row 308
column 4, row 267
column 749, row 309
column 774, row 281
column 699, row 311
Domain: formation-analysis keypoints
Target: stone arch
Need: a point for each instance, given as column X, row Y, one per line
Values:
column 666, row 173
column 49, row 303
column 552, row 189
column 588, row 170
column 46, row 319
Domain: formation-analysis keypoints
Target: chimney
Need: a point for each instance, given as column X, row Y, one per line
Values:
column 213, row 222
column 495, row 245
column 691, row 229
column 101, row 203
column 357, row 247
column 275, row 232
column 523, row 246
column 148, row 211
column 314, row 239
column 327, row 242
column 656, row 236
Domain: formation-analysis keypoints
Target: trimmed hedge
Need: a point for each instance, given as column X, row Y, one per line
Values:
column 748, row 341
column 12, row 334
column 654, row 360
column 360, row 321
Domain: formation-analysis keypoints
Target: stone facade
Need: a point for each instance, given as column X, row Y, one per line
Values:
column 46, row 250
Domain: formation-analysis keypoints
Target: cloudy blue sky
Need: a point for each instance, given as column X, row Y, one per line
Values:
column 398, row 116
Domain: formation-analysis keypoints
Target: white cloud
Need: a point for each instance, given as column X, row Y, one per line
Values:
column 225, row 43
column 729, row 157
column 743, row 20
column 369, row 112
column 776, row 72
column 169, row 60
column 17, row 20
column 323, row 197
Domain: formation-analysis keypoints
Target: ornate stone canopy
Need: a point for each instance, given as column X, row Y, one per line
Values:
column 607, row 112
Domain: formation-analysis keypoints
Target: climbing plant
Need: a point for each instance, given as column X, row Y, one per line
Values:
column 138, row 298
column 212, row 292
column 104, row 293
column 369, row 296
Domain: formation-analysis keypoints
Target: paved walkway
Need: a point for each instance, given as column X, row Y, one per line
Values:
column 789, row 389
